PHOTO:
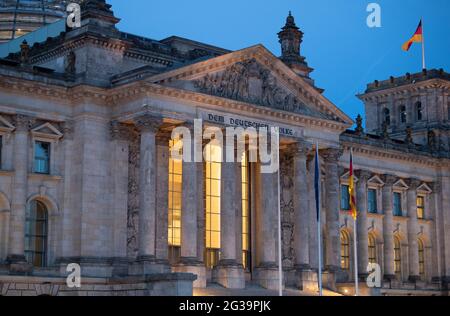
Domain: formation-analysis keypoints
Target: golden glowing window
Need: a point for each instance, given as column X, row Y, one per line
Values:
column 421, row 258
column 245, row 212
column 372, row 249
column 175, row 196
column 420, row 207
column 345, row 251
column 397, row 256
column 213, row 166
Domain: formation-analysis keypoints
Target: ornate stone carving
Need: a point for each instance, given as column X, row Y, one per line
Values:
column 23, row 123
column 389, row 179
column 249, row 82
column 148, row 123
column 68, row 129
column 119, row 131
column 301, row 149
column 331, row 155
column 287, row 210
column 363, row 175
column 133, row 196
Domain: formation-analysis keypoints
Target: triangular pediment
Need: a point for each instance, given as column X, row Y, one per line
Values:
column 401, row 185
column 346, row 177
column 376, row 180
column 5, row 125
column 47, row 130
column 255, row 76
column 424, row 188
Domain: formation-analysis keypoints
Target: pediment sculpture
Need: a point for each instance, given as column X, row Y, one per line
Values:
column 248, row 81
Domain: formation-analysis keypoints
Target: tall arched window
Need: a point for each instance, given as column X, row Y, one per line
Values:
column 421, row 258
column 213, row 195
column 345, row 251
column 419, row 111
column 387, row 116
column 397, row 256
column 372, row 249
column 36, row 233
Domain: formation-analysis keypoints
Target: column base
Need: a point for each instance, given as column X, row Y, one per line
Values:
column 307, row 280
column 229, row 274
column 329, row 278
column 194, row 266
column 18, row 265
column 148, row 265
column 267, row 276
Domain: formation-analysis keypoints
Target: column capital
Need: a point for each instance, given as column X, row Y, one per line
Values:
column 332, row 155
column 163, row 138
column 148, row 123
column 68, row 129
column 23, row 122
column 300, row 149
column 119, row 131
column 389, row 179
column 413, row 183
column 363, row 175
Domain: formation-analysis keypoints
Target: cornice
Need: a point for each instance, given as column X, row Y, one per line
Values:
column 377, row 152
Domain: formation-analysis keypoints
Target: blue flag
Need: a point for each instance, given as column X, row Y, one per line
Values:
column 317, row 182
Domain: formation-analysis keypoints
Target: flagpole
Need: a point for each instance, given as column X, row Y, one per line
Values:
column 319, row 225
column 355, row 237
column 423, row 47
column 356, row 259
column 280, row 260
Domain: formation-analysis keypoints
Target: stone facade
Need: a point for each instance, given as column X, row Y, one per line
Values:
column 106, row 103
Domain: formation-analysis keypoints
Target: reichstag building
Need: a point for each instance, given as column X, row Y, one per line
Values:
column 87, row 177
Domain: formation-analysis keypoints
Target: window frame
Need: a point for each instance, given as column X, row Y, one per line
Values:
column 30, row 252
column 372, row 249
column 403, row 114
column 419, row 111
column 345, row 250
column 50, row 151
column 369, row 210
column 421, row 208
column 344, row 192
column 422, row 259
column 394, row 210
column 397, row 256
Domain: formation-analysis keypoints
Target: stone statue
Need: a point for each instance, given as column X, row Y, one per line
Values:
column 431, row 140
column 385, row 132
column 24, row 53
column 359, row 125
column 71, row 60
column 409, row 138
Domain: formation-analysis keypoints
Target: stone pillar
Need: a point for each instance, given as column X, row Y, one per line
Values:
column 436, row 239
column 148, row 126
column 445, row 226
column 16, row 245
column 362, row 227
column 388, row 226
column 229, row 272
column 413, row 230
column 304, row 276
column 266, row 272
column 333, row 241
column 162, row 193
column 192, row 201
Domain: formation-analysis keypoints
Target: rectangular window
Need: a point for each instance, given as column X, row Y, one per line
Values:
column 420, row 207
column 174, row 205
column 372, row 201
column 345, row 198
column 42, row 157
column 213, row 191
column 398, row 204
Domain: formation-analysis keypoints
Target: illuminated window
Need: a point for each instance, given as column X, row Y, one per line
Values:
column 345, row 198
column 246, row 254
column 372, row 201
column 174, row 205
column 345, row 251
column 421, row 258
column 398, row 204
column 420, row 207
column 397, row 256
column 212, row 184
column 36, row 226
column 372, row 249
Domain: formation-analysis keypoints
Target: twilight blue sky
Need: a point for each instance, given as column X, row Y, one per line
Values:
column 345, row 53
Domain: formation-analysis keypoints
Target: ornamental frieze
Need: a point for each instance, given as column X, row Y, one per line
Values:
column 248, row 81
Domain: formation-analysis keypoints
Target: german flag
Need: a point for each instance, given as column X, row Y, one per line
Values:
column 416, row 38
column 351, row 189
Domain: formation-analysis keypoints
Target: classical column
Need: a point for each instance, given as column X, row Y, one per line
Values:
column 229, row 272
column 388, row 226
column 148, row 126
column 162, row 193
column 413, row 229
column 333, row 241
column 16, row 245
column 301, row 204
column 437, row 239
column 362, row 229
